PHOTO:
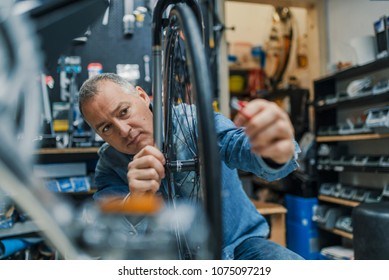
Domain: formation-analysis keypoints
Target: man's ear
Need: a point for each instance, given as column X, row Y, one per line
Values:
column 143, row 95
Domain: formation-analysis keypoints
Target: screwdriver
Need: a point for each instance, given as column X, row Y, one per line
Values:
column 238, row 105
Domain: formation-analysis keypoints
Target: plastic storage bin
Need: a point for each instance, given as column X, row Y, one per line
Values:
column 300, row 209
column 302, row 234
column 303, row 240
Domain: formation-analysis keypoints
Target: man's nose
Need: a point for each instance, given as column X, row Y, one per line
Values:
column 123, row 128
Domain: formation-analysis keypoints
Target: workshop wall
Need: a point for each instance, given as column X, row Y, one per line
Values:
column 108, row 45
column 349, row 19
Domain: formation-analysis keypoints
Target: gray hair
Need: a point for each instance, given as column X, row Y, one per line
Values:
column 90, row 88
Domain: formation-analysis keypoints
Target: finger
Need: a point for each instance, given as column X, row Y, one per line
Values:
column 153, row 151
column 265, row 118
column 146, row 162
column 245, row 114
column 254, row 107
column 143, row 186
column 277, row 131
column 145, row 174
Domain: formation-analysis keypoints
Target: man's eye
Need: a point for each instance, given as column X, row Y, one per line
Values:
column 124, row 112
column 106, row 129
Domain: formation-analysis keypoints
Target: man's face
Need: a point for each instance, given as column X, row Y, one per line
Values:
column 123, row 120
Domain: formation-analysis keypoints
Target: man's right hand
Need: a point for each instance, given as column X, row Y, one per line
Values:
column 146, row 171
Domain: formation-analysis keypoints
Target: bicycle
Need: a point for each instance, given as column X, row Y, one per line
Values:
column 58, row 218
column 184, row 99
column 20, row 98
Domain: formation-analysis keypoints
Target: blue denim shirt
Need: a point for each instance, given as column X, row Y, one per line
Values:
column 241, row 220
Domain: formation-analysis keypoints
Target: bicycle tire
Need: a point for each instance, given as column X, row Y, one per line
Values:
column 187, row 96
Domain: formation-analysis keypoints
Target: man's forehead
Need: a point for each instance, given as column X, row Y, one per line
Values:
column 109, row 88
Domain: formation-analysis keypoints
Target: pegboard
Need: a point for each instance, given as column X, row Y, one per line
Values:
column 108, row 46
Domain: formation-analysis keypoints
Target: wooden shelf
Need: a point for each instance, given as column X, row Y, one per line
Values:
column 338, row 200
column 308, row 4
column 338, row 232
column 332, row 106
column 268, row 208
column 243, row 67
column 51, row 151
column 354, row 137
column 342, row 233
column 277, row 219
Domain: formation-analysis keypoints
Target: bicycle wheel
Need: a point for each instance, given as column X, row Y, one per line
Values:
column 189, row 138
column 20, row 100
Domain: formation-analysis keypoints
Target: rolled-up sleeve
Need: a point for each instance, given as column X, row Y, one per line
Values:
column 235, row 151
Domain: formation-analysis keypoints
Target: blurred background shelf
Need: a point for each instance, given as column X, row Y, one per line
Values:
column 19, row 229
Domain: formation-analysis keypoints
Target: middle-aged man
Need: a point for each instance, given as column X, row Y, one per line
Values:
column 130, row 164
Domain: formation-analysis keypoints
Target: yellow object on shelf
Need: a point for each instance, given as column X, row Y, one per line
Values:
column 236, row 83
column 61, row 125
